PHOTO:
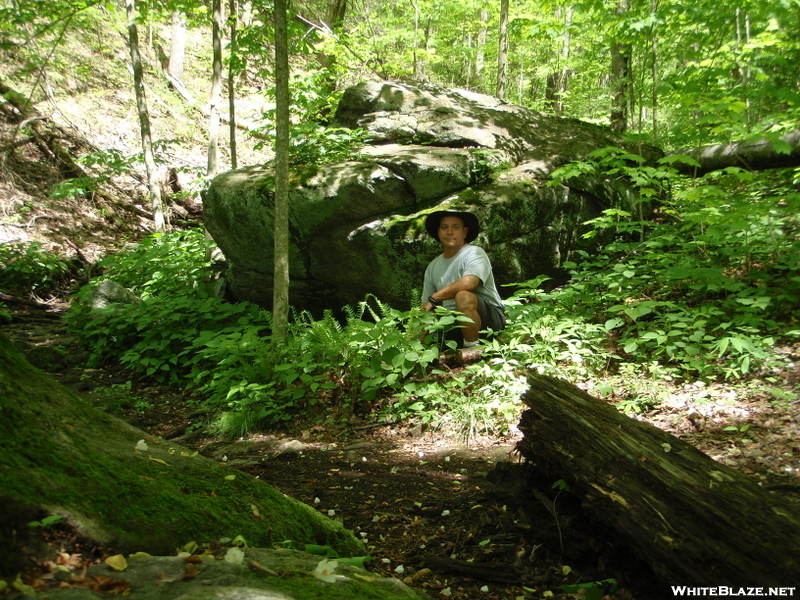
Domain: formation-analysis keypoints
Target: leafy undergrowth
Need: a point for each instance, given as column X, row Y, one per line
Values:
column 425, row 503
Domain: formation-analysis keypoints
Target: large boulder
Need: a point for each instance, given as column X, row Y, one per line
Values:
column 357, row 227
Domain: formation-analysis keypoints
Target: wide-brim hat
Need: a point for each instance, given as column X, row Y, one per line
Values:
column 470, row 222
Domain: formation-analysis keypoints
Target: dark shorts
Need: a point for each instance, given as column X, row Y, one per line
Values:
column 492, row 317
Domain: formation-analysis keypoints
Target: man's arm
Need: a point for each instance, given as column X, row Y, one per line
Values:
column 466, row 283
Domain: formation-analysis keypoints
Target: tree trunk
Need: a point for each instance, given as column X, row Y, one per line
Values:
column 61, row 455
column 467, row 69
column 654, row 69
column 620, row 78
column 216, row 86
column 695, row 521
column 280, row 298
column 551, row 92
column 247, row 14
column 418, row 62
column 232, row 86
column 557, row 83
column 754, row 155
column 480, row 58
column 427, row 47
column 144, row 119
column 335, row 13
column 177, row 47
column 502, row 55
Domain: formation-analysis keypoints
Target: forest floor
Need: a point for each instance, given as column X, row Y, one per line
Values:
column 433, row 510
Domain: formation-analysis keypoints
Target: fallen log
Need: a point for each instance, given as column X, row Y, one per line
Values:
column 694, row 520
column 24, row 301
column 751, row 155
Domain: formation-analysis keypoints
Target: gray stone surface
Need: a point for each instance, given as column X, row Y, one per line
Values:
column 108, row 291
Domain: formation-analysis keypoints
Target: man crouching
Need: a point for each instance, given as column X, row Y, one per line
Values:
column 461, row 278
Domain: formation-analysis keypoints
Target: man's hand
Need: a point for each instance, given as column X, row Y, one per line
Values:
column 466, row 284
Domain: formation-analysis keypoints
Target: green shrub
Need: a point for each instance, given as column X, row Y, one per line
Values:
column 28, row 267
column 155, row 338
column 162, row 264
column 705, row 290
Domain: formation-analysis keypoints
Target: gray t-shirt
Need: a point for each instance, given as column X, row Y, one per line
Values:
column 469, row 260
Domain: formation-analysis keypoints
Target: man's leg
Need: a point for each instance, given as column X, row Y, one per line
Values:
column 467, row 305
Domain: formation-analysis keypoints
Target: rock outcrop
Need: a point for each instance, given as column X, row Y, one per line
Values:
column 357, row 226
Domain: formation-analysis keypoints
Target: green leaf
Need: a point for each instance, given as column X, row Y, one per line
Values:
column 679, row 158
column 322, row 550
column 47, row 521
column 355, row 561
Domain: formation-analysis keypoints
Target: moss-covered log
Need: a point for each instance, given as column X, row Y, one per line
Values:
column 696, row 521
column 60, row 455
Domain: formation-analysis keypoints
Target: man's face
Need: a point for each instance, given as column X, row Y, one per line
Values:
column 452, row 233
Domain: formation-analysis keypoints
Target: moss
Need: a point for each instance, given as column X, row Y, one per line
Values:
column 368, row 587
column 64, row 455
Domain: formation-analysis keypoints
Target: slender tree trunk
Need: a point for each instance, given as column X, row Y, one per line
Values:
column 427, row 47
column 177, row 47
column 480, row 58
column 247, row 14
column 551, row 93
column 558, row 83
column 742, row 39
column 502, row 55
column 419, row 68
column 232, row 72
column 620, row 77
column 216, row 86
column 280, row 298
column 144, row 119
column 467, row 71
column 797, row 54
column 654, row 43
column 563, row 83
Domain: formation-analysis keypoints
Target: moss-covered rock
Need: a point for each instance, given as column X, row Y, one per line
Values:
column 60, row 455
column 356, row 227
